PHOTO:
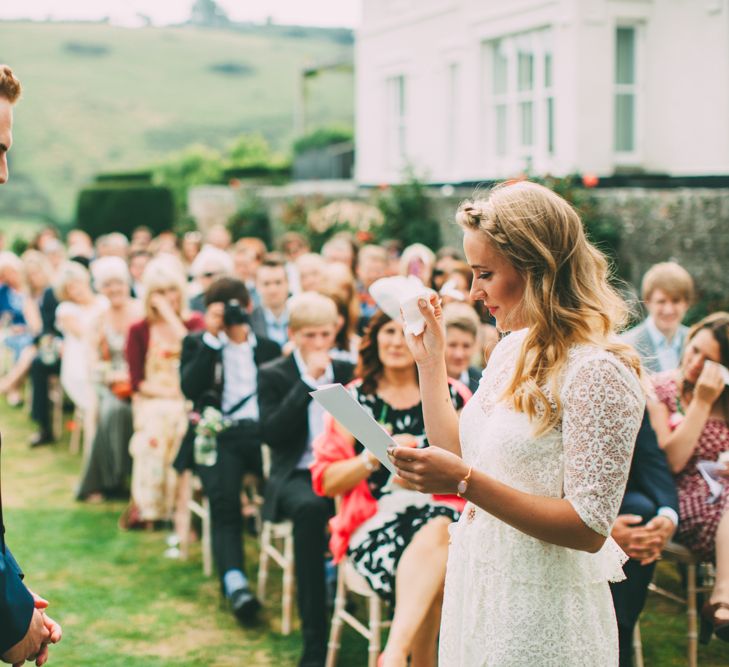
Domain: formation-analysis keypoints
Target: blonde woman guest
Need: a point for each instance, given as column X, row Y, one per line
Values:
column 691, row 421
column 542, row 451
column 77, row 310
column 109, row 464
column 158, row 406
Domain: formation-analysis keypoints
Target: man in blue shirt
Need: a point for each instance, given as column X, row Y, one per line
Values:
column 25, row 630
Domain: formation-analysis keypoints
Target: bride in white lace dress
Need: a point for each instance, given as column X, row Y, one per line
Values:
column 542, row 451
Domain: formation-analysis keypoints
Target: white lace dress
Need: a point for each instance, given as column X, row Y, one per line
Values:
column 512, row 600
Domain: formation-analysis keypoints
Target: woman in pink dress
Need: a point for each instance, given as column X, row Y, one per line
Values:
column 691, row 418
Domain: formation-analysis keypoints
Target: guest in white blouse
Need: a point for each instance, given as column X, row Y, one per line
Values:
column 542, row 451
column 667, row 291
column 78, row 309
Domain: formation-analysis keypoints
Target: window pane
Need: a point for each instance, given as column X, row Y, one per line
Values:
column 526, row 118
column 501, row 129
column 624, row 122
column 500, row 70
column 547, row 70
column 625, row 56
column 550, row 125
column 525, row 79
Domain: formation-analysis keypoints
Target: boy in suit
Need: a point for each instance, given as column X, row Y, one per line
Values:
column 219, row 369
column 667, row 291
column 291, row 421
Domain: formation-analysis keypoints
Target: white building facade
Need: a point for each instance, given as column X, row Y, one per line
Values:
column 471, row 90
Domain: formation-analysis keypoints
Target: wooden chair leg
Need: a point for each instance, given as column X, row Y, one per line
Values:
column 375, row 637
column 206, row 540
column 335, row 633
column 288, row 586
column 263, row 561
column 637, row 647
column 691, row 613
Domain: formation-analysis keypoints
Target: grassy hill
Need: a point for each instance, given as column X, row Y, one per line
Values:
column 101, row 98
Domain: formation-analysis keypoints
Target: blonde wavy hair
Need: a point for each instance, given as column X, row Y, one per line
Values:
column 567, row 298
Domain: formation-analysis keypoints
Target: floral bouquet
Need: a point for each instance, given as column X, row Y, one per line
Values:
column 208, row 425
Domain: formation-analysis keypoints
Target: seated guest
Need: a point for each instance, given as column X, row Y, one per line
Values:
column 291, row 420
column 210, row 264
column 667, row 291
column 138, row 260
column 647, row 520
column 445, row 260
column 22, row 283
column 45, row 365
column 158, row 406
column 293, row 245
column 311, row 269
column 339, row 287
column 372, row 263
column 690, row 419
column 218, row 370
column 396, row 538
column 341, row 249
column 418, row 260
column 109, row 464
column 271, row 319
column 247, row 254
column 77, row 310
column 461, row 323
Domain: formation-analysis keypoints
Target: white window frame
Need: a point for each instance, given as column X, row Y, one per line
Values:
column 631, row 158
column 518, row 156
column 396, row 111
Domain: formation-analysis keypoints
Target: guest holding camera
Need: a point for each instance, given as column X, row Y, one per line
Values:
column 291, row 421
column 691, row 420
column 219, row 373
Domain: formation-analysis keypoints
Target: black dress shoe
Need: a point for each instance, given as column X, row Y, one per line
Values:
column 244, row 605
column 40, row 438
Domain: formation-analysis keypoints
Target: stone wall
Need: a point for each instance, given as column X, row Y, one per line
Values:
column 689, row 226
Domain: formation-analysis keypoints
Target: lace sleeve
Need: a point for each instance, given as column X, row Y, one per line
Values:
column 603, row 405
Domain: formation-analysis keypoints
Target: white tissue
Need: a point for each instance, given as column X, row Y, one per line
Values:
column 399, row 292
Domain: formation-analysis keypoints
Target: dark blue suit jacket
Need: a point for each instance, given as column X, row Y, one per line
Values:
column 16, row 602
column 649, row 472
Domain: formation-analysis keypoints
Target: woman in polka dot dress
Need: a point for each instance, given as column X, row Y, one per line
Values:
column 691, row 421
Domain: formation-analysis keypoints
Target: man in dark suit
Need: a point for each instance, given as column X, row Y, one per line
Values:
column 219, row 369
column 647, row 520
column 271, row 318
column 25, row 630
column 291, row 421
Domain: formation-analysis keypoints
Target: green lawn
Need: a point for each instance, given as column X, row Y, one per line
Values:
column 122, row 605
column 120, row 602
column 103, row 98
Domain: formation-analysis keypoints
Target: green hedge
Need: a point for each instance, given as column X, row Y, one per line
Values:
column 120, row 207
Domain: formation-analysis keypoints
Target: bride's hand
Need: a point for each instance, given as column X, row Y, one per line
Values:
column 429, row 470
column 429, row 346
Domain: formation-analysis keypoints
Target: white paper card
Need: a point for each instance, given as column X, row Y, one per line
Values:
column 336, row 400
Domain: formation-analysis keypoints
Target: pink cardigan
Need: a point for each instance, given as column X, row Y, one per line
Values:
column 358, row 504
